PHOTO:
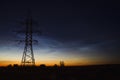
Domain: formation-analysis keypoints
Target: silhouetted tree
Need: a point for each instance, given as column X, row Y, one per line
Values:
column 15, row 65
column 10, row 65
column 43, row 65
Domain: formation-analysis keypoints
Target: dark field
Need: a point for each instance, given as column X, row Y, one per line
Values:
column 96, row 72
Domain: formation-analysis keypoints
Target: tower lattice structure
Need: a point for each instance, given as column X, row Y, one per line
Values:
column 28, row 55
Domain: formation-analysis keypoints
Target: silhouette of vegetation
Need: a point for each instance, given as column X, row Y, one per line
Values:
column 43, row 72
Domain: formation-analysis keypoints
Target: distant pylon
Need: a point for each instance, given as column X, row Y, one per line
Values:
column 62, row 63
column 28, row 55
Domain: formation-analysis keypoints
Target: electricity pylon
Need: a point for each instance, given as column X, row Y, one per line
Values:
column 28, row 55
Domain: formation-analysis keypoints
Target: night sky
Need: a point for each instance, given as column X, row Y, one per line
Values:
column 77, row 32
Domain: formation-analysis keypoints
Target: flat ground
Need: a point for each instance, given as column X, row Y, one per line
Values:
column 96, row 72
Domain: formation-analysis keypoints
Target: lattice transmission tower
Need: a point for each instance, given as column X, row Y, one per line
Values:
column 28, row 55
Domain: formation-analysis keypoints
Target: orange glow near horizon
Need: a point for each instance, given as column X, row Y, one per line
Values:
column 52, row 63
column 52, row 59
